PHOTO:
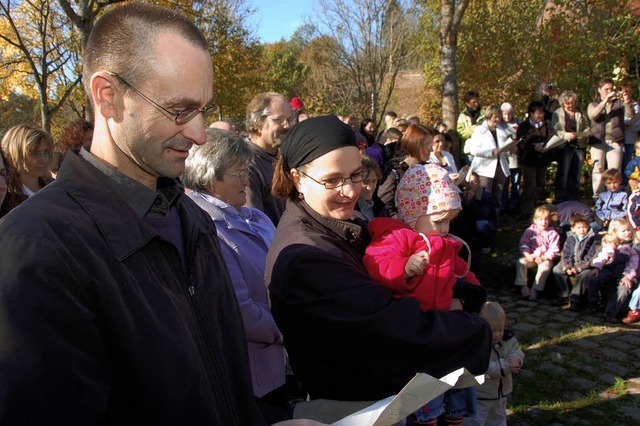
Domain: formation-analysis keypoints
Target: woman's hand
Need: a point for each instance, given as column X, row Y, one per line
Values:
column 611, row 97
column 415, row 265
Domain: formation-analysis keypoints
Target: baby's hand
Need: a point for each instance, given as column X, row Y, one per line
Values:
column 456, row 305
column 416, row 263
column 514, row 364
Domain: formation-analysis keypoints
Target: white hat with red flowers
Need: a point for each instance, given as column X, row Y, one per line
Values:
column 425, row 189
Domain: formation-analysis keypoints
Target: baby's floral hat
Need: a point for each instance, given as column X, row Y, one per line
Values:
column 425, row 189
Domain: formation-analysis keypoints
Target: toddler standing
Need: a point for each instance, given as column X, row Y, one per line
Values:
column 539, row 245
column 415, row 256
column 506, row 359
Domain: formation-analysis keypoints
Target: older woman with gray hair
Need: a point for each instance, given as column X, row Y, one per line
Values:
column 572, row 126
column 217, row 173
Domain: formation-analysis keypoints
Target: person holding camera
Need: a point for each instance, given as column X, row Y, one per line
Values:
column 607, row 132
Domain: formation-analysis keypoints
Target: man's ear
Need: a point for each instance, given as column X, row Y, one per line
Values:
column 107, row 98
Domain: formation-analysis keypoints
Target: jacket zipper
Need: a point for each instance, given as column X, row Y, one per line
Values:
column 193, row 302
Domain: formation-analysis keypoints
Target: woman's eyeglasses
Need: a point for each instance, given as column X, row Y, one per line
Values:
column 333, row 183
column 242, row 174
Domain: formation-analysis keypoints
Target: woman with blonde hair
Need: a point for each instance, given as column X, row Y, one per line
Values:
column 29, row 151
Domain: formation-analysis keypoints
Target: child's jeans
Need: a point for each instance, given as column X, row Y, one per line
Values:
column 543, row 271
column 606, row 283
column 634, row 303
column 453, row 403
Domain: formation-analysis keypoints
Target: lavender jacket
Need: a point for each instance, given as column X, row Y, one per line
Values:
column 245, row 236
column 540, row 243
column 611, row 205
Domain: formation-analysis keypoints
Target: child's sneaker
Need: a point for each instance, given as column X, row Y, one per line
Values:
column 633, row 316
column 526, row 292
column 533, row 294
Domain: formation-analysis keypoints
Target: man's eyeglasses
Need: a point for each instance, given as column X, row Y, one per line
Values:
column 242, row 174
column 337, row 182
column 180, row 117
column 281, row 120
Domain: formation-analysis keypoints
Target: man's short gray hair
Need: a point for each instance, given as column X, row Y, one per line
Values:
column 567, row 97
column 258, row 108
column 208, row 162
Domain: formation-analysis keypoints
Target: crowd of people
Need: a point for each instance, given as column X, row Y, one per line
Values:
column 159, row 271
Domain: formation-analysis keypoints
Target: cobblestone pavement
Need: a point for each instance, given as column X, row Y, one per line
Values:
column 574, row 367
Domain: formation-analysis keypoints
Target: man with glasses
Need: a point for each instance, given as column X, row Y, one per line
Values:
column 269, row 118
column 115, row 303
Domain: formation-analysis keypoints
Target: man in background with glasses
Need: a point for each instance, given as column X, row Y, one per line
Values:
column 115, row 303
column 269, row 118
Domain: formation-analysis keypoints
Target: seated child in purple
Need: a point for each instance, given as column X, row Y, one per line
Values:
column 614, row 272
column 539, row 245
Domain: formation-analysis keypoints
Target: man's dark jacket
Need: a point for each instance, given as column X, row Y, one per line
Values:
column 100, row 322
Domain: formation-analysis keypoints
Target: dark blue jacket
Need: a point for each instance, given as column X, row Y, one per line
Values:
column 102, row 324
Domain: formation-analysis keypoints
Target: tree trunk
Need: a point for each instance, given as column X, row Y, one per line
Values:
column 452, row 12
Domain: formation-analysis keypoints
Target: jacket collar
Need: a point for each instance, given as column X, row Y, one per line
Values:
column 222, row 212
column 120, row 226
column 348, row 230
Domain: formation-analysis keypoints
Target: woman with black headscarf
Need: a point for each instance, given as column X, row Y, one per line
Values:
column 347, row 337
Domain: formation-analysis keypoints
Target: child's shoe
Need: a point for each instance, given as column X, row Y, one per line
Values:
column 526, row 292
column 633, row 316
column 611, row 320
column 533, row 294
column 455, row 421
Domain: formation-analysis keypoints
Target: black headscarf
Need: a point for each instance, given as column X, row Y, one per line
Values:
column 313, row 138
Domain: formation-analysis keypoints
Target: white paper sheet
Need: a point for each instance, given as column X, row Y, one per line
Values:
column 420, row 390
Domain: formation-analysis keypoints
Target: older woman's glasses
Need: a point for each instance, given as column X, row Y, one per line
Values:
column 242, row 174
column 180, row 117
column 333, row 183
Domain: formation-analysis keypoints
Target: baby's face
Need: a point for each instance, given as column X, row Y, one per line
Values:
column 436, row 223
column 497, row 331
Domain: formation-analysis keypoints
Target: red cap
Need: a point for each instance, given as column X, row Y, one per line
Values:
column 296, row 103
